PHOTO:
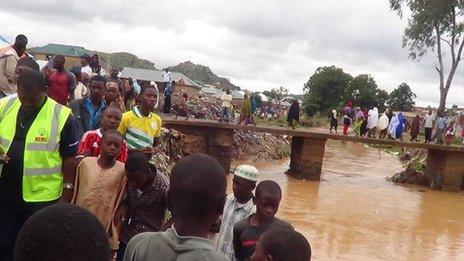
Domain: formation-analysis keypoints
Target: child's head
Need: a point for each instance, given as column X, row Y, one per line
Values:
column 197, row 191
column 137, row 169
column 111, row 118
column 148, row 97
column 282, row 245
column 111, row 143
column 244, row 181
column 62, row 232
column 112, row 92
column 267, row 199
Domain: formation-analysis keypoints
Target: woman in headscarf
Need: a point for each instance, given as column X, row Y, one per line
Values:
column 371, row 125
column 374, row 122
column 293, row 116
column 383, row 125
column 415, row 126
column 333, row 121
column 245, row 113
column 253, row 108
column 393, row 126
column 358, row 123
column 400, row 128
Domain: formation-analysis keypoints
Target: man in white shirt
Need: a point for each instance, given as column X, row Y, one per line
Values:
column 9, row 57
column 238, row 206
column 226, row 99
column 168, row 89
column 428, row 124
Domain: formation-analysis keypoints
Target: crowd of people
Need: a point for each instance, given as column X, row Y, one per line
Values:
column 77, row 181
column 393, row 125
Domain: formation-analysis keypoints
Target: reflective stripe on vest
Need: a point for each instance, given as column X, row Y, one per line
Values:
column 42, row 171
column 5, row 143
column 8, row 106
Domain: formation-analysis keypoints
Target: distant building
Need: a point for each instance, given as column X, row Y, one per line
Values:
column 71, row 53
column 183, row 83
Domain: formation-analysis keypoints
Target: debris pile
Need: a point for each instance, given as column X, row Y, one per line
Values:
column 260, row 146
column 170, row 150
column 247, row 146
column 414, row 160
column 200, row 107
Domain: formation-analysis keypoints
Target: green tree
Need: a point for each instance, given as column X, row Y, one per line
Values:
column 277, row 94
column 435, row 25
column 325, row 89
column 362, row 90
column 402, row 98
column 381, row 99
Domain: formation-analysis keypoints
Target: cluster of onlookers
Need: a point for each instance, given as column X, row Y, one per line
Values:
column 92, row 153
column 393, row 125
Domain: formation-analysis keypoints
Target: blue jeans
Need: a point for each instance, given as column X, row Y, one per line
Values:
column 225, row 113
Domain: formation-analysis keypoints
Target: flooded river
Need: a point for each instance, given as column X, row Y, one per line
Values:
column 355, row 214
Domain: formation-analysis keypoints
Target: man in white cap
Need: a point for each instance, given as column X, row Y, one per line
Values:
column 238, row 206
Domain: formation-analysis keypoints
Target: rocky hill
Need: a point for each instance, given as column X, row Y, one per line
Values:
column 203, row 75
column 123, row 59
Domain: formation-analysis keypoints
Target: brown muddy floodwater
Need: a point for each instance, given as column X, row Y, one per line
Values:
column 355, row 214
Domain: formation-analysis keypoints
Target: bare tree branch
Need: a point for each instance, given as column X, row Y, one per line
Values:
column 453, row 36
column 448, row 42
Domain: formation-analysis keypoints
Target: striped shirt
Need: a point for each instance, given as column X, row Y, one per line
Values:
column 139, row 131
column 233, row 213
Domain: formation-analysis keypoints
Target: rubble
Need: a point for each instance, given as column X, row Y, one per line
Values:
column 247, row 146
column 170, row 150
column 414, row 160
column 200, row 107
column 260, row 146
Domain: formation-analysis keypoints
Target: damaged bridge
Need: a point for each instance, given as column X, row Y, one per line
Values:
column 308, row 146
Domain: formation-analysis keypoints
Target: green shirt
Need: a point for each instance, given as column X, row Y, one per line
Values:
column 168, row 246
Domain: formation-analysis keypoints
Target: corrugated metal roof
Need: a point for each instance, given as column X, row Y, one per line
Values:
column 154, row 75
column 67, row 50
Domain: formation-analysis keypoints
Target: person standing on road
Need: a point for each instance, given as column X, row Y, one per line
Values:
column 428, row 124
column 441, row 126
column 415, row 128
column 226, row 99
column 293, row 116
column 9, row 57
column 37, row 155
column 167, row 79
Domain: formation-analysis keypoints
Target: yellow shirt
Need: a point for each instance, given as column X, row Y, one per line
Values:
column 139, row 131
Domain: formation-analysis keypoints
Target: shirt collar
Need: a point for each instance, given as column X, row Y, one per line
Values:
column 138, row 113
column 89, row 103
column 247, row 206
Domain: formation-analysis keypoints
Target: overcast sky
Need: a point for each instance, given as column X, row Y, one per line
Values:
column 258, row 44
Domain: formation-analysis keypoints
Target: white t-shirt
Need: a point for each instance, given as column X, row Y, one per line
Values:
column 226, row 99
column 166, row 76
column 429, row 119
column 87, row 70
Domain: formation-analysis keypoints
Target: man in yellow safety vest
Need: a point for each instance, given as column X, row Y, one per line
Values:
column 38, row 143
